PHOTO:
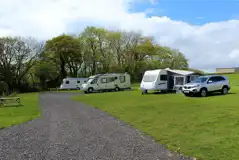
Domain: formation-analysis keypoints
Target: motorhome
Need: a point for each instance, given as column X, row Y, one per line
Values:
column 166, row 80
column 72, row 83
column 106, row 82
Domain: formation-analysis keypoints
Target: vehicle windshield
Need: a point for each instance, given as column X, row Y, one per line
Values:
column 149, row 78
column 89, row 80
column 200, row 80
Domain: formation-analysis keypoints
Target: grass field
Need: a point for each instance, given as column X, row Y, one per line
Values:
column 13, row 115
column 205, row 128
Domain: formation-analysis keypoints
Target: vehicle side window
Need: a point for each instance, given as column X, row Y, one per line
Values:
column 67, row 82
column 110, row 79
column 122, row 79
column 163, row 77
column 221, row 79
column 94, row 81
column 214, row 79
column 103, row 80
column 210, row 79
column 78, row 81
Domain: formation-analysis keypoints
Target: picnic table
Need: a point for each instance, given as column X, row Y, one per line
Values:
column 9, row 101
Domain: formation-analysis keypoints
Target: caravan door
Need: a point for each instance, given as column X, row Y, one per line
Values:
column 162, row 84
column 110, row 83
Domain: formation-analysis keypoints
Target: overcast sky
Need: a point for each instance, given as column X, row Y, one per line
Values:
column 207, row 32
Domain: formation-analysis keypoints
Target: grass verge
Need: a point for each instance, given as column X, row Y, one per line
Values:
column 13, row 115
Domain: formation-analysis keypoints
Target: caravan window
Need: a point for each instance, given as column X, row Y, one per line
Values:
column 110, row 79
column 78, row 81
column 122, row 79
column 149, row 78
column 163, row 77
column 67, row 82
column 103, row 80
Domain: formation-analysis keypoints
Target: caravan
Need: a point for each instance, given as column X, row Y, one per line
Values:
column 110, row 81
column 166, row 79
column 72, row 83
column 154, row 80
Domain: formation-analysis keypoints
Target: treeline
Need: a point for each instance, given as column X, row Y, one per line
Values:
column 27, row 64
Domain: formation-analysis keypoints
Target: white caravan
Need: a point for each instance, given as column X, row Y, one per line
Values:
column 72, row 83
column 154, row 80
column 110, row 81
column 166, row 79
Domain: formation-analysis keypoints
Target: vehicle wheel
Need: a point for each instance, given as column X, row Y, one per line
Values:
column 90, row 90
column 224, row 90
column 117, row 89
column 203, row 92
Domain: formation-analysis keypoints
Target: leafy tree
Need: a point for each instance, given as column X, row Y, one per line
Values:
column 17, row 56
column 65, row 51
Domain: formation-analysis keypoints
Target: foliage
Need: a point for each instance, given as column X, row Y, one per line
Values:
column 205, row 128
column 27, row 64
column 17, row 56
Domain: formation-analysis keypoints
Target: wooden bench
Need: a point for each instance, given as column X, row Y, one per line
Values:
column 9, row 101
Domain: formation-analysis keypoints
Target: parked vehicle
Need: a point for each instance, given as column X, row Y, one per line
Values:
column 207, row 84
column 72, row 83
column 107, row 82
column 165, row 80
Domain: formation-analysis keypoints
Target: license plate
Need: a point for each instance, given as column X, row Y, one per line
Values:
column 186, row 91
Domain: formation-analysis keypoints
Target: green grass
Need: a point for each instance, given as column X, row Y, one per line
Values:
column 205, row 128
column 13, row 115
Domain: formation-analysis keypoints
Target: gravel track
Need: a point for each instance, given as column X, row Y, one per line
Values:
column 69, row 130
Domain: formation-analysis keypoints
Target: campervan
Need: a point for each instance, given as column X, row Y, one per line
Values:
column 166, row 79
column 72, row 83
column 110, row 81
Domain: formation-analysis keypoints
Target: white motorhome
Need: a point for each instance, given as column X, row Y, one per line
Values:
column 72, row 83
column 165, row 79
column 110, row 81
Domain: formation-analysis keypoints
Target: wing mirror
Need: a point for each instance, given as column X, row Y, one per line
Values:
column 210, row 81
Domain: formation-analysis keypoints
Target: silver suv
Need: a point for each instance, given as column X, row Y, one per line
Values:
column 207, row 84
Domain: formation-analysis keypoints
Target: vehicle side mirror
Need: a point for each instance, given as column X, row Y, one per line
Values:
column 210, row 81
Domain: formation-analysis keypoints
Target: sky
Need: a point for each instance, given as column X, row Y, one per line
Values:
column 205, row 31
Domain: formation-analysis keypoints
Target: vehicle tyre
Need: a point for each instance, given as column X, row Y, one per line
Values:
column 203, row 92
column 117, row 89
column 90, row 90
column 225, row 90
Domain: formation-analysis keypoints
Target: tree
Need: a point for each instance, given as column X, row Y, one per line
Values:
column 17, row 56
column 65, row 51
column 44, row 71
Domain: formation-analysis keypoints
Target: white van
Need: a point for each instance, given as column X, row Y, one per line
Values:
column 154, row 80
column 111, row 81
column 72, row 83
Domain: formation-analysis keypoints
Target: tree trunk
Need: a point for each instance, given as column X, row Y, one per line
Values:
column 62, row 66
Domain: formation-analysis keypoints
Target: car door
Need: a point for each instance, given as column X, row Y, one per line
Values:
column 220, row 82
column 212, row 84
column 102, row 83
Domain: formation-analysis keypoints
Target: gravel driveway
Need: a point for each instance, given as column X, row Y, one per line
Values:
column 69, row 130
